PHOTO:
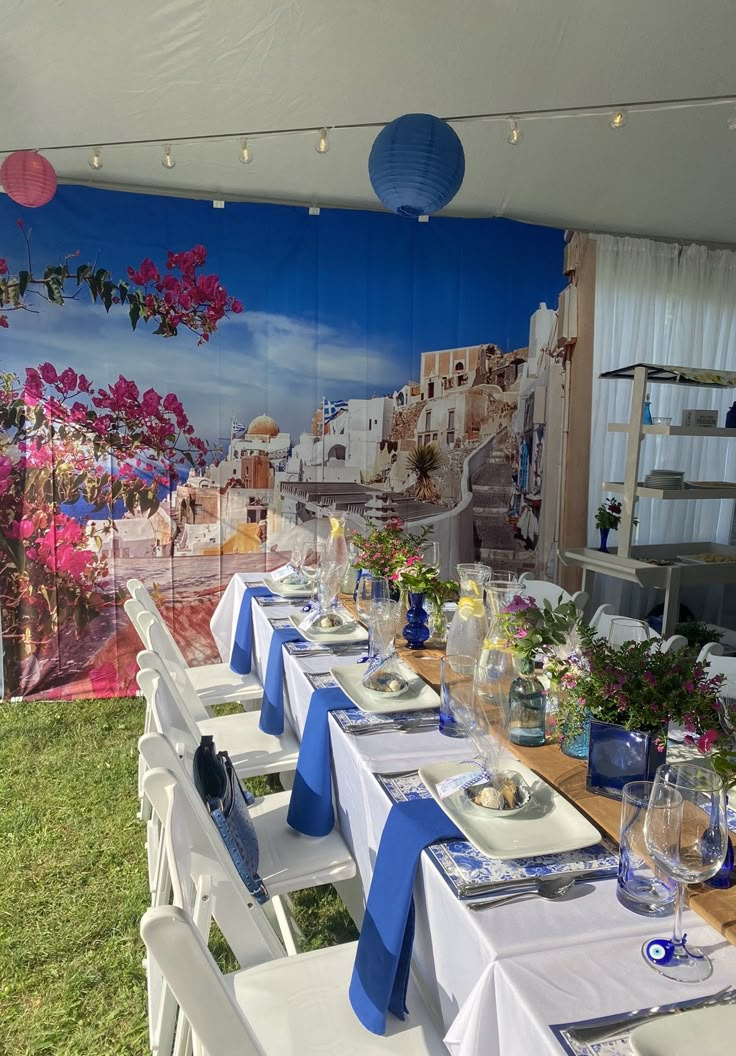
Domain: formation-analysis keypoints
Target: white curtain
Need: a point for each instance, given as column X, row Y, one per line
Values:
column 662, row 303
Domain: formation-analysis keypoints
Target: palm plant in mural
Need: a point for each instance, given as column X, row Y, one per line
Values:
column 423, row 461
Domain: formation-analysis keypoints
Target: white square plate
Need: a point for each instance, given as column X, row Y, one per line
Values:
column 709, row 1030
column 356, row 633
column 548, row 825
column 284, row 590
column 419, row 695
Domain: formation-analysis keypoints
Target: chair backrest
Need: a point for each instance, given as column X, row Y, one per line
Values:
column 139, row 593
column 177, row 674
column 726, row 666
column 176, row 946
column 170, row 714
column 709, row 649
column 540, row 590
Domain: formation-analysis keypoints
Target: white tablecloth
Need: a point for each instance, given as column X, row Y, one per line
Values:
column 474, row 966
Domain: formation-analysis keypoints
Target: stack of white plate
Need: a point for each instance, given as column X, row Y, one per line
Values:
column 665, row 478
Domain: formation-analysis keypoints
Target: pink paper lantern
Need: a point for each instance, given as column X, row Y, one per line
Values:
column 28, row 178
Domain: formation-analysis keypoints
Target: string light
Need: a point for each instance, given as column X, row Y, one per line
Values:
column 515, row 135
column 168, row 161
column 95, row 159
column 245, row 154
column 323, row 143
column 619, row 119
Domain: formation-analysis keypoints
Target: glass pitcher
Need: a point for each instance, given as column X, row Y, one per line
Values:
column 497, row 667
column 467, row 632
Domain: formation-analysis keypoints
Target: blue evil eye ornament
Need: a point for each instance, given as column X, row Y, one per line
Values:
column 416, row 165
column 659, row 951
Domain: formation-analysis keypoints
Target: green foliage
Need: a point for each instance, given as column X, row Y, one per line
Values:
column 698, row 633
column 530, row 631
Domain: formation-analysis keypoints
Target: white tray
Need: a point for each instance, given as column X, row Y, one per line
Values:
column 357, row 632
column 284, row 590
column 707, row 1030
column 419, row 695
column 549, row 825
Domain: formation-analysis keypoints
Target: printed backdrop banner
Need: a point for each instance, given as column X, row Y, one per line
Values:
column 171, row 371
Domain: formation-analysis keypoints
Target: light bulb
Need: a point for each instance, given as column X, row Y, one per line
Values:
column 167, row 160
column 95, row 159
column 619, row 119
column 515, row 135
column 323, row 143
column 245, row 155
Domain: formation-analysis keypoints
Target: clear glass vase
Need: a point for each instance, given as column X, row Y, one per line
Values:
column 526, row 711
column 469, row 626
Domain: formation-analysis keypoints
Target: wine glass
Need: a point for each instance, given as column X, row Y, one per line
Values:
column 431, row 554
column 624, row 630
column 457, row 689
column 686, row 833
column 371, row 589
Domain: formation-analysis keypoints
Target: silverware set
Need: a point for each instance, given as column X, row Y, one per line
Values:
column 592, row 1035
column 417, row 724
column 547, row 887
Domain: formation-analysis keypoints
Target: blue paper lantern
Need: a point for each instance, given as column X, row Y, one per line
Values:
column 416, row 165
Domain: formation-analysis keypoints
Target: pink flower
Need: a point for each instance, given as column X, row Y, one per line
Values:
column 4, row 322
column 522, row 633
column 706, row 741
column 48, row 373
column 3, row 266
column 68, row 380
column 236, row 306
column 151, row 402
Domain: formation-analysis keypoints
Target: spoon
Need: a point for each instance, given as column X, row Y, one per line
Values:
column 551, row 888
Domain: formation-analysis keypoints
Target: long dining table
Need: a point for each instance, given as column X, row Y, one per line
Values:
column 497, row 979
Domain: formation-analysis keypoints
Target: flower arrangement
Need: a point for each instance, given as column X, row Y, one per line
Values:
column 639, row 687
column 180, row 296
column 385, row 550
column 530, row 631
column 419, row 578
column 608, row 515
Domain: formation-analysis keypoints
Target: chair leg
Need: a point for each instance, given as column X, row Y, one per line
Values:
column 282, row 918
column 286, row 777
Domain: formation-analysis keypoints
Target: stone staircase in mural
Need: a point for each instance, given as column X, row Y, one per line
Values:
column 495, row 544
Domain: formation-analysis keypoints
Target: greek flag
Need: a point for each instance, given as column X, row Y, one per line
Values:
column 237, row 430
column 331, row 409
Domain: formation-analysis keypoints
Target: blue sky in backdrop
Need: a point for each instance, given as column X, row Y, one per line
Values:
column 340, row 305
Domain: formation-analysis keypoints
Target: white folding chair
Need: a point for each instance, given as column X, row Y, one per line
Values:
column 214, row 683
column 709, row 650
column 295, row 1006
column 251, row 750
column 540, row 590
column 726, row 666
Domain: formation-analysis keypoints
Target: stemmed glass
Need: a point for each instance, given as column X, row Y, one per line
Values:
column 371, row 589
column 686, row 833
column 624, row 630
column 431, row 554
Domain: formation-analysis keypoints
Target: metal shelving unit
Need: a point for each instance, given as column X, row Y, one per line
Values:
column 635, row 563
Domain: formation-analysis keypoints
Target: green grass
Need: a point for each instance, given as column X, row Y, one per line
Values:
column 73, row 882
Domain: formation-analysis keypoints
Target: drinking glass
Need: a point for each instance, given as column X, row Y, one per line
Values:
column 686, row 833
column 371, row 589
column 625, row 630
column 431, row 554
column 383, row 625
column 457, row 690
column 641, row 886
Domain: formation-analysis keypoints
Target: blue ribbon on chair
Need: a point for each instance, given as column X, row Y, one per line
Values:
column 310, row 805
column 242, row 650
column 272, row 705
column 381, row 971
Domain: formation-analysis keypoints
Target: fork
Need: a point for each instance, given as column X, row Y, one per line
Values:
column 594, row 1034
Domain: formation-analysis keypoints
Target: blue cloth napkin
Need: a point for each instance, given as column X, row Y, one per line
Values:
column 381, row 971
column 310, row 805
column 240, row 655
column 272, row 705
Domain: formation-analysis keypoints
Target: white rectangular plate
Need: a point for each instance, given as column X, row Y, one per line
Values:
column 419, row 695
column 283, row 590
column 548, row 825
column 708, row 1030
column 357, row 633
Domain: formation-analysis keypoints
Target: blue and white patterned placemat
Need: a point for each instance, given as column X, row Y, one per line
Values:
column 354, row 718
column 469, row 872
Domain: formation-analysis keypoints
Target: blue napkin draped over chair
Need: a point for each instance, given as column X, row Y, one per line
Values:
column 242, row 650
column 272, row 705
column 310, row 806
column 382, row 962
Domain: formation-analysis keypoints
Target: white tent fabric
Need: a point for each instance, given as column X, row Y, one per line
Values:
column 76, row 75
column 659, row 303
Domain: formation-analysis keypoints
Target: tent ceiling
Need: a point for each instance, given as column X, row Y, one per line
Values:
column 75, row 73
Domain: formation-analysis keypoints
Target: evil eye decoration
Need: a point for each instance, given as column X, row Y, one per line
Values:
column 659, row 951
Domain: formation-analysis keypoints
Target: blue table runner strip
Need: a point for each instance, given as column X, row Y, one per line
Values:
column 242, row 650
column 310, row 805
column 382, row 962
column 272, row 705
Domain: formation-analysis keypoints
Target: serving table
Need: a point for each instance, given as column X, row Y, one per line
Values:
column 458, row 954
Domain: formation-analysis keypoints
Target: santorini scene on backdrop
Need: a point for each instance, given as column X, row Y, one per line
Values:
column 198, row 463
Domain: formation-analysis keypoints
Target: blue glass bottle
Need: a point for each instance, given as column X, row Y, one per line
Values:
column 646, row 417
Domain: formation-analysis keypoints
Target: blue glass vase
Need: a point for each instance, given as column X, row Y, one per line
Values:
column 575, row 746
column 604, row 540
column 617, row 756
column 416, row 631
